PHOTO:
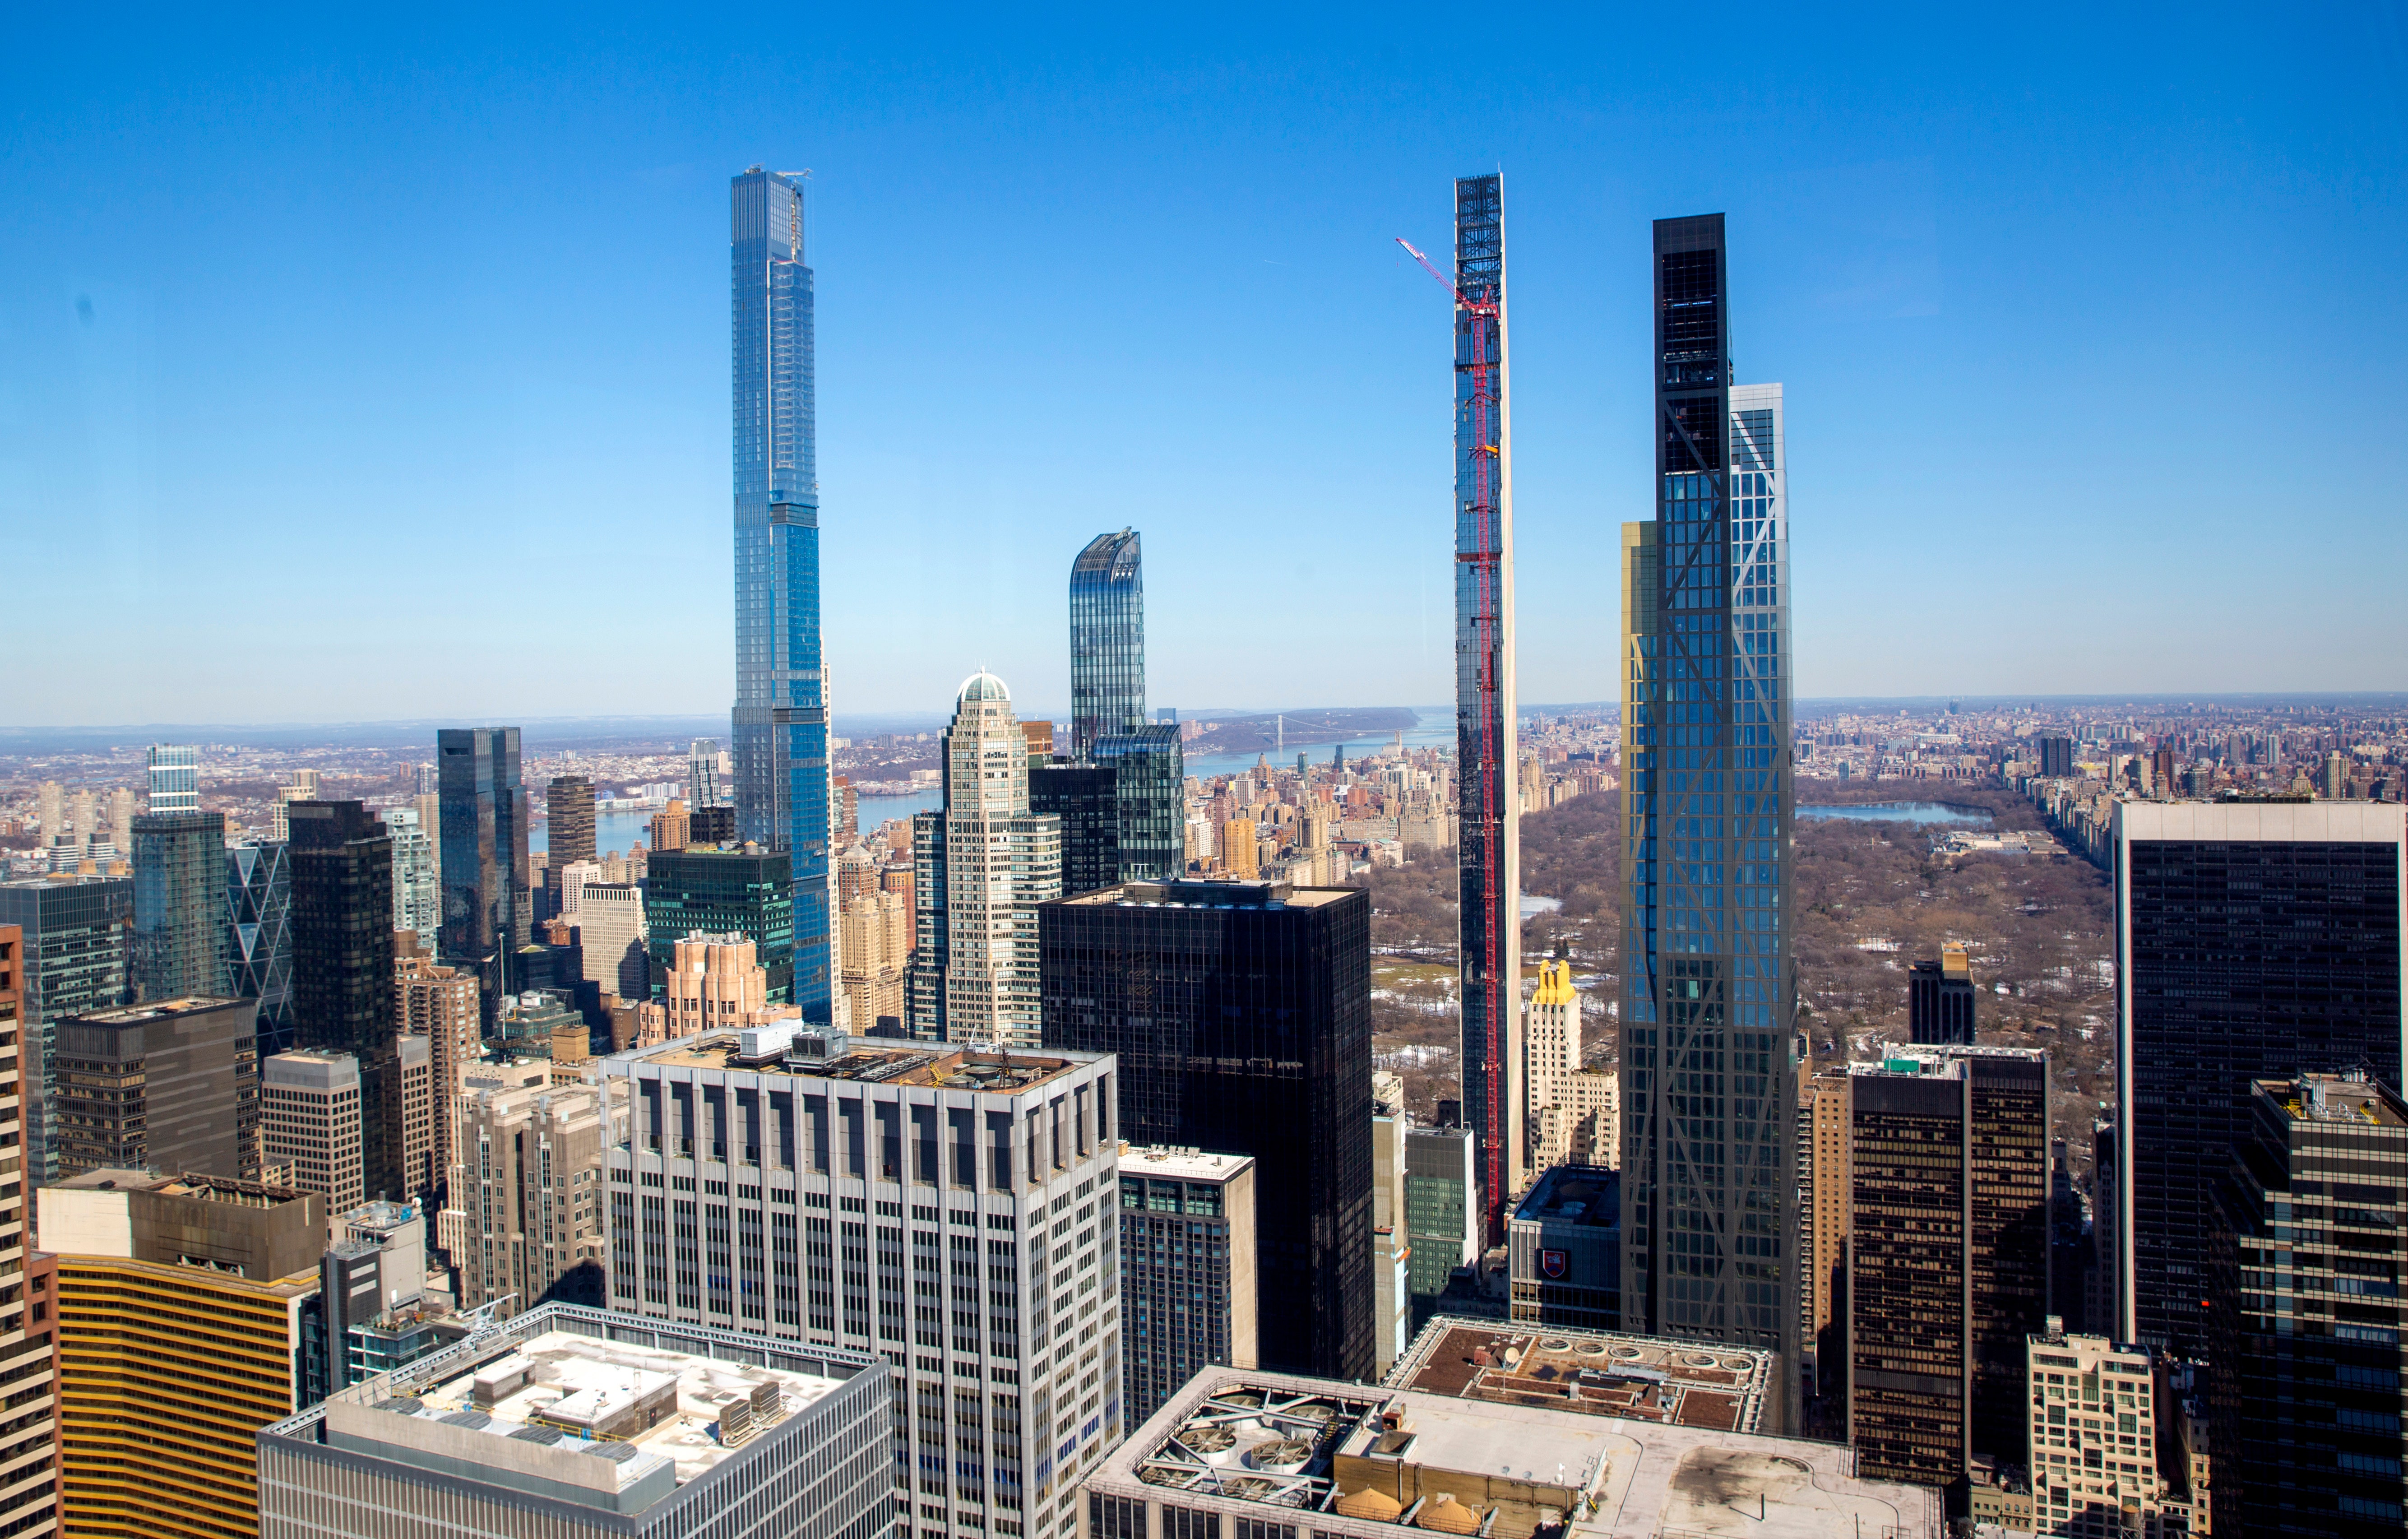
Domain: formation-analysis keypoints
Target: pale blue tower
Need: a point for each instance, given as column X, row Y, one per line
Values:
column 780, row 724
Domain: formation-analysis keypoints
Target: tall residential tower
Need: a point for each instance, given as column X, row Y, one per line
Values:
column 1489, row 849
column 1709, row 1087
column 780, row 722
column 1107, row 640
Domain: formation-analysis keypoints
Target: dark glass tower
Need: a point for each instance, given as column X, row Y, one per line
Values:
column 2308, row 1381
column 781, row 720
column 483, row 810
column 2253, row 939
column 1489, row 848
column 1107, row 642
column 1710, row 1086
column 724, row 892
column 1241, row 1013
column 1084, row 798
column 1940, row 1000
column 343, row 993
column 75, row 963
column 178, row 905
column 569, row 821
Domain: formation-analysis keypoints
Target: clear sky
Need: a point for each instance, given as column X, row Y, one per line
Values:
column 365, row 368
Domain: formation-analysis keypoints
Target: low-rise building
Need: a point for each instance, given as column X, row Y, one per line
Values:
column 568, row 1423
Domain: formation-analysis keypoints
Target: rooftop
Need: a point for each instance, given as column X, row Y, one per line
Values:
column 884, row 1060
column 1574, row 1194
column 556, row 1403
column 1371, row 1462
column 1606, row 1374
column 2333, row 1098
column 1209, row 895
column 1163, row 1163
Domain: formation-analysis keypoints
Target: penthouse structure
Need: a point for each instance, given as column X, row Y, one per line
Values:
column 1347, row 1460
column 952, row 1208
column 571, row 1423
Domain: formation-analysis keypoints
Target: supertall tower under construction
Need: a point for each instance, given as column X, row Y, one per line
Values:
column 780, row 721
column 1710, row 1086
column 1490, row 925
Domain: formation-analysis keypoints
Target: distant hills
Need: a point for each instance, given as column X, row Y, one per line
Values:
column 1261, row 734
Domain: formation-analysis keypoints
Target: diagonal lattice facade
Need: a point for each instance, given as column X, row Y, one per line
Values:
column 1708, row 1073
column 1489, row 870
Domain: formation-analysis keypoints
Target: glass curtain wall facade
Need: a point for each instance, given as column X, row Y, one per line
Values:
column 1709, row 1080
column 75, row 962
column 259, row 937
column 1087, row 800
column 179, row 904
column 1150, row 789
column 723, row 892
column 1489, row 848
column 482, row 811
column 345, row 998
column 780, row 721
column 2252, row 940
column 1107, row 642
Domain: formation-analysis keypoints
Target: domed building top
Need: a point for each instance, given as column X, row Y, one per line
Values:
column 984, row 686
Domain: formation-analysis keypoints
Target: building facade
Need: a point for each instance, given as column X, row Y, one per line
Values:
column 1564, row 1249
column 1948, row 1251
column 1939, row 999
column 2310, row 1384
column 417, row 885
column 259, row 935
column 74, row 962
column 951, row 1208
column 747, row 892
column 568, row 820
column 28, row 1437
column 614, row 939
column 179, row 904
column 484, row 813
column 309, row 1124
column 780, row 716
column 1489, row 802
column 1107, row 642
column 1187, row 1269
column 1001, row 861
column 1149, row 792
column 186, row 1309
column 528, row 1190
column 343, row 961
column 1085, row 799
column 1710, row 1203
column 1239, row 1016
column 440, row 1004
column 168, row 1086
column 2093, row 1424
column 713, row 983
column 2253, row 939
column 1442, row 1221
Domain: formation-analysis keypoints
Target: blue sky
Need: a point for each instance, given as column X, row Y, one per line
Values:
column 367, row 369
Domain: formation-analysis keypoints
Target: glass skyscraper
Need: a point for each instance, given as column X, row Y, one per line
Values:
column 781, row 720
column 482, row 811
column 259, row 935
column 1709, row 1084
column 1489, row 854
column 1107, row 642
column 179, row 930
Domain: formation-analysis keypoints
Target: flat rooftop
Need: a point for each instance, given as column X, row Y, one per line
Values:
column 2330, row 1098
column 1588, row 1373
column 1169, row 1164
column 1375, row 1463
column 612, row 1424
column 1201, row 894
column 1574, row 1194
column 881, row 1060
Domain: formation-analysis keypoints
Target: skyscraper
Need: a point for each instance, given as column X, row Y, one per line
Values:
column 1709, row 1095
column 1085, row 797
column 1240, row 1016
column 74, row 962
column 179, row 934
column 344, row 998
column 780, row 721
column 2304, row 1339
column 748, row 892
column 483, row 857
column 1939, row 999
column 1488, row 847
column 1001, row 860
column 702, row 773
column 169, row 1085
column 417, row 883
column 1150, row 793
column 1187, row 1259
column 1107, row 640
column 2253, row 939
column 259, row 935
column 175, row 773
column 568, row 820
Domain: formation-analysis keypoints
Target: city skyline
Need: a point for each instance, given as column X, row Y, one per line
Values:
column 1226, row 309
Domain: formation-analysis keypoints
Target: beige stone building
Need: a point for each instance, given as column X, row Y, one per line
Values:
column 441, row 1004
column 1574, row 1112
column 527, row 1219
column 714, row 983
column 309, row 1125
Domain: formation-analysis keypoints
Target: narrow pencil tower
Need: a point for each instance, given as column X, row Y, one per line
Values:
column 1485, row 760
